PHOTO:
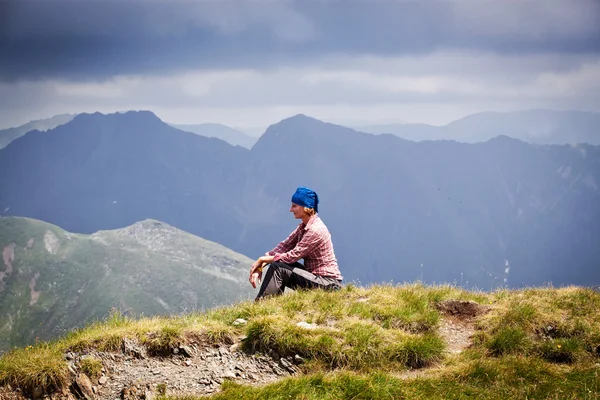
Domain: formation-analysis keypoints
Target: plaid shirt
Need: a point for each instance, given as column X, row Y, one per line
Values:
column 312, row 242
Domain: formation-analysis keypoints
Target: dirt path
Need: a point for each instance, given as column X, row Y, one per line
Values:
column 194, row 369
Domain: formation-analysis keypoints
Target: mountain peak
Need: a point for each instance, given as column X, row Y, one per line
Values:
column 132, row 115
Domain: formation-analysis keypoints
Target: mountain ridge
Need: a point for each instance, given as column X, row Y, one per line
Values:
column 53, row 280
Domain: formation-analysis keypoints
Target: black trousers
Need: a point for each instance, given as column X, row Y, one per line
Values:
column 281, row 275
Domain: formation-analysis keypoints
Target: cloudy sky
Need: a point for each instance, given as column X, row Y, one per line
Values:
column 250, row 63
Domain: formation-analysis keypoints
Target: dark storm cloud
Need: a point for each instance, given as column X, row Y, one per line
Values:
column 97, row 39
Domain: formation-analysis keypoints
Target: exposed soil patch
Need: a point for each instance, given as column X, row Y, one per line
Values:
column 34, row 295
column 193, row 369
column 51, row 242
column 196, row 369
column 456, row 326
column 463, row 310
column 8, row 255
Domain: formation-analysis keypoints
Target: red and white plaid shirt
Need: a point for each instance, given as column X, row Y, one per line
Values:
column 312, row 242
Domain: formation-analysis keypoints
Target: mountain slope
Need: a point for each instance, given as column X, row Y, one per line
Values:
column 53, row 281
column 10, row 134
column 230, row 135
column 532, row 126
column 501, row 212
column 400, row 210
column 108, row 171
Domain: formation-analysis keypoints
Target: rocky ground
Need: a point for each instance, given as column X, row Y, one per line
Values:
column 200, row 369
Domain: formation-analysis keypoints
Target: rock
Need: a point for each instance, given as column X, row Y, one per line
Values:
column 175, row 350
column 223, row 351
column 148, row 395
column 103, row 380
column 287, row 365
column 298, row 360
column 229, row 375
column 38, row 393
column 156, row 372
column 239, row 321
column 83, row 387
column 186, row 351
column 274, row 355
column 71, row 369
column 69, row 356
column 235, row 347
column 131, row 348
column 306, row 325
column 129, row 393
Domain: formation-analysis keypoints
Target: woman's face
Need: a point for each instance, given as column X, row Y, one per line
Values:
column 298, row 211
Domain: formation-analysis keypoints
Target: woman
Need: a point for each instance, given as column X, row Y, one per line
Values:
column 310, row 241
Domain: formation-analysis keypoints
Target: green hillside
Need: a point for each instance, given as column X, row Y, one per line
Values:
column 381, row 342
column 52, row 281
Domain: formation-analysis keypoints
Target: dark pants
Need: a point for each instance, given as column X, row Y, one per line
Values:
column 281, row 275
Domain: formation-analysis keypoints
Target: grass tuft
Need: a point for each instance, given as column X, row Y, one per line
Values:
column 509, row 340
column 91, row 366
column 41, row 366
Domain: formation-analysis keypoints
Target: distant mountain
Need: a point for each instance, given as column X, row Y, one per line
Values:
column 533, row 126
column 379, row 128
column 10, row 134
column 52, row 281
column 230, row 135
column 486, row 214
column 110, row 171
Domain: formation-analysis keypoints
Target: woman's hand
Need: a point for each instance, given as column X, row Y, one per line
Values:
column 256, row 272
column 257, row 267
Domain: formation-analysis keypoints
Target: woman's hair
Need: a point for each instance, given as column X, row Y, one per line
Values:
column 310, row 211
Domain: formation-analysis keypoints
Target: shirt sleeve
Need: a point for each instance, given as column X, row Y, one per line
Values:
column 287, row 244
column 305, row 246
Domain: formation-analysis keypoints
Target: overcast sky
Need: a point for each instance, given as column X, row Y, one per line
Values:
column 251, row 63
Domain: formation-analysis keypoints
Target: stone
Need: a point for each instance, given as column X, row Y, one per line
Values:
column 235, row 347
column 287, row 365
column 83, row 387
column 131, row 348
column 229, row 375
column 239, row 321
column 306, row 325
column 103, row 380
column 298, row 360
column 37, row 393
column 186, row 351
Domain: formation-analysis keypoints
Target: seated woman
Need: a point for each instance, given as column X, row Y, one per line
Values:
column 310, row 241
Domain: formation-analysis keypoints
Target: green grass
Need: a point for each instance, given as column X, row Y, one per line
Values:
column 533, row 343
column 507, row 378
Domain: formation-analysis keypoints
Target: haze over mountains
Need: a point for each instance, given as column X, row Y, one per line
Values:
column 230, row 135
column 533, row 126
column 52, row 281
column 497, row 212
column 10, row 134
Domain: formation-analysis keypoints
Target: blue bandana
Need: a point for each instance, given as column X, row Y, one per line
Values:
column 306, row 197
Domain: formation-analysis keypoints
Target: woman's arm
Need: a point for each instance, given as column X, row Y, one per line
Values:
column 310, row 241
column 287, row 244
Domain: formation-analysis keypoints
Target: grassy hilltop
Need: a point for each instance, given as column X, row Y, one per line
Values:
column 381, row 342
